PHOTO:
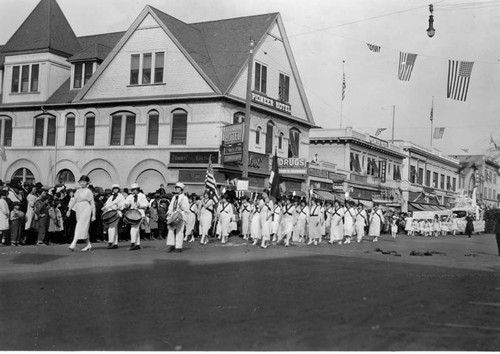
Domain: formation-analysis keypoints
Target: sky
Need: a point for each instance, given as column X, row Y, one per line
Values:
column 328, row 37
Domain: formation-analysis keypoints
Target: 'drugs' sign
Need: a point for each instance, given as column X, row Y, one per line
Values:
column 292, row 165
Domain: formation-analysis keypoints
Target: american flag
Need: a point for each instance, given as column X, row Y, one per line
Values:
column 438, row 133
column 373, row 47
column 379, row 131
column 343, row 86
column 210, row 182
column 458, row 79
column 406, row 63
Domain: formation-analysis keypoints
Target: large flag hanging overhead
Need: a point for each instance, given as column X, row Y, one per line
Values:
column 438, row 133
column 379, row 131
column 406, row 63
column 373, row 47
column 274, row 179
column 210, row 182
column 459, row 73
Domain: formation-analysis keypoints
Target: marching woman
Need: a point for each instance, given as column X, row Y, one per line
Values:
column 191, row 219
column 83, row 205
column 114, row 202
column 205, row 216
column 245, row 211
column 266, row 212
column 225, row 215
column 288, row 221
column 315, row 222
column 302, row 213
column 328, row 217
column 349, row 219
column 180, row 203
column 454, row 225
column 136, row 201
column 436, row 226
column 323, row 224
column 360, row 222
column 276, row 221
column 336, row 225
column 255, row 232
column 376, row 222
column 408, row 224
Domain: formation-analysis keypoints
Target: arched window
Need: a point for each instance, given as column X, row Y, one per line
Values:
column 258, row 131
column 122, row 129
column 45, row 130
column 89, row 129
column 179, row 127
column 153, row 127
column 24, row 175
column 70, row 129
column 6, row 131
column 294, row 143
column 280, row 141
column 65, row 176
column 269, row 137
column 238, row 117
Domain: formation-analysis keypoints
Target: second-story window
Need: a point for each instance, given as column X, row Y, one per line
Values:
column 260, row 78
column 45, row 131
column 25, row 78
column 294, row 143
column 70, row 129
column 153, row 128
column 420, row 176
column 441, row 183
column 258, row 132
column 284, row 88
column 179, row 127
column 5, row 131
column 89, row 129
column 151, row 71
column 122, row 129
column 280, row 141
column 269, row 137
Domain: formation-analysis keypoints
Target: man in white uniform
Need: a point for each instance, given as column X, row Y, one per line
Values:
column 179, row 203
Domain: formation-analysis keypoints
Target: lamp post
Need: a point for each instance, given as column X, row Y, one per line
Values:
column 431, row 31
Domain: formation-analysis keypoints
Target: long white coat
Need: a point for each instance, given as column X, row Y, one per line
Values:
column 376, row 220
column 337, row 226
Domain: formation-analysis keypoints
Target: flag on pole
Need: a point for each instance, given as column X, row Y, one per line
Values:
column 210, row 182
column 432, row 110
column 458, row 79
column 465, row 150
column 379, row 131
column 493, row 142
column 343, row 86
column 274, row 179
column 406, row 63
column 2, row 153
column 374, row 48
column 438, row 133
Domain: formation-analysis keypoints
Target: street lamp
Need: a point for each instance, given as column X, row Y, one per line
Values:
column 431, row 31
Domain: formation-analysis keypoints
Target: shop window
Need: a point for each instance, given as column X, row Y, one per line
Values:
column 122, row 129
column 294, row 143
column 260, row 78
column 179, row 127
column 45, row 131
column 65, row 176
column 269, row 137
column 396, row 173
column 153, row 127
column 24, row 175
column 89, row 129
column 70, row 129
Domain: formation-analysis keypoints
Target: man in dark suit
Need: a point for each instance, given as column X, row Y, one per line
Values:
column 497, row 232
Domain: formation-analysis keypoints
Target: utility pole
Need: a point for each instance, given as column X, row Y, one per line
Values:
column 246, row 125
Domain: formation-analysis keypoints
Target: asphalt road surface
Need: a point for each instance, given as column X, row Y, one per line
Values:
column 367, row 296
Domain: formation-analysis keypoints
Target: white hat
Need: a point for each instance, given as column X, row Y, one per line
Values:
column 180, row 185
column 115, row 186
column 134, row 186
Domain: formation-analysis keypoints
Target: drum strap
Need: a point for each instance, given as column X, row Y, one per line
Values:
column 176, row 201
column 313, row 212
column 287, row 211
column 245, row 209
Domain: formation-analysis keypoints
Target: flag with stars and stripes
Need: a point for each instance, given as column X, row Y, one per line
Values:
column 406, row 64
column 459, row 73
column 210, row 182
column 374, row 48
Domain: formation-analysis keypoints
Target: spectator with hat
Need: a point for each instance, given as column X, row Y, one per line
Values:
column 83, row 205
column 136, row 201
column 16, row 224
column 180, row 204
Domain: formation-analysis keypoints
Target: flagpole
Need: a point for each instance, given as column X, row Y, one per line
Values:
column 342, row 93
column 393, row 119
column 432, row 119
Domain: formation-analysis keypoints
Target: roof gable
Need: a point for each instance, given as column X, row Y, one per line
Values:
column 45, row 29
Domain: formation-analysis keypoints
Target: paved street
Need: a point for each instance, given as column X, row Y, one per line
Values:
column 368, row 296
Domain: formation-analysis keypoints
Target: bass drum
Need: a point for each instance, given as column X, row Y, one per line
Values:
column 132, row 217
column 110, row 217
column 175, row 219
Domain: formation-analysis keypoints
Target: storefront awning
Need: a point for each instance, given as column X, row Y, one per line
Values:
column 425, row 207
column 325, row 195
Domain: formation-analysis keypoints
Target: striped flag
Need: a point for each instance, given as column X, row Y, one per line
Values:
column 373, row 47
column 343, row 86
column 438, row 133
column 458, row 79
column 210, row 182
column 379, row 131
column 406, row 63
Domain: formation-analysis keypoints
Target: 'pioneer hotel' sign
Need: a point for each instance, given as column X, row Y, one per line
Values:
column 270, row 102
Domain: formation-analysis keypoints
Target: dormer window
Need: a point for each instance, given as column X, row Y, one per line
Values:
column 25, row 78
column 82, row 74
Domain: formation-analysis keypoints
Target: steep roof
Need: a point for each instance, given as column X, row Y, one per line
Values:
column 2, row 56
column 95, row 51
column 45, row 29
column 105, row 39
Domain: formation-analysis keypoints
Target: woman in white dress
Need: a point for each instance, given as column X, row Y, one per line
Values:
column 288, row 221
column 225, row 214
column 360, row 223
column 408, row 224
column 336, row 224
column 276, row 221
column 83, row 205
column 245, row 211
column 191, row 219
column 376, row 222
column 315, row 222
column 349, row 218
column 255, row 232
column 302, row 213
column 205, row 216
column 30, row 212
column 266, row 212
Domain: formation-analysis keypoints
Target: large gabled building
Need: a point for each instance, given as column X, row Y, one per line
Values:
column 149, row 104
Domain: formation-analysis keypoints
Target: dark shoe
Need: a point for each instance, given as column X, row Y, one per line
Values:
column 171, row 249
column 135, row 248
column 178, row 250
column 114, row 247
column 131, row 247
column 110, row 246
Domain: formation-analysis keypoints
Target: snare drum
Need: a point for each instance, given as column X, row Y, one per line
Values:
column 175, row 219
column 132, row 217
column 110, row 217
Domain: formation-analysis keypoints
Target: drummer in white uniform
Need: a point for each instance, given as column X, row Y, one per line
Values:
column 136, row 200
column 115, row 202
column 179, row 203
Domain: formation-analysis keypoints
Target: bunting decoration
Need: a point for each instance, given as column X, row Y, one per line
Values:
column 438, row 133
column 379, row 131
column 406, row 63
column 374, row 48
column 210, row 182
column 459, row 73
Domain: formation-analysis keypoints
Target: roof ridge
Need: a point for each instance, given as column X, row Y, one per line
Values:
column 233, row 18
column 101, row 34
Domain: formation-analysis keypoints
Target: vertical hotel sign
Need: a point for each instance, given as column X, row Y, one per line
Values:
column 232, row 136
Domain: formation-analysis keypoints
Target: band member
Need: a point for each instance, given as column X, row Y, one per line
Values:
column 138, row 201
column 315, row 222
column 225, row 215
column 245, row 211
column 265, row 215
column 328, row 217
column 205, row 216
column 349, row 219
column 360, row 222
column 191, row 219
column 115, row 202
column 288, row 221
column 302, row 212
column 376, row 222
column 336, row 225
column 83, row 205
column 276, row 221
column 179, row 203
